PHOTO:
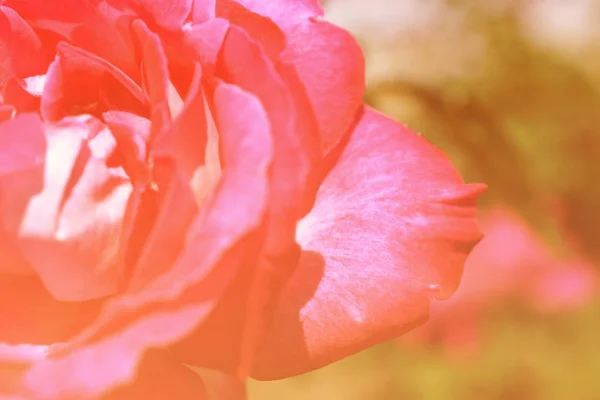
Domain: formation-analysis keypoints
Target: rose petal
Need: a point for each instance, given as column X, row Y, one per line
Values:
column 307, row 126
column 131, row 133
column 332, row 68
column 164, row 240
column 169, row 15
column 68, row 226
column 284, row 12
column 328, row 60
column 155, row 74
column 204, row 41
column 80, row 82
column 391, row 228
column 202, row 11
column 21, row 52
column 79, row 58
column 194, row 43
column 258, row 27
column 245, row 64
column 186, row 141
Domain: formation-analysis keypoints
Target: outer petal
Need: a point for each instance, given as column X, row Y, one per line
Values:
column 328, row 60
column 391, row 227
column 244, row 63
column 284, row 12
column 331, row 66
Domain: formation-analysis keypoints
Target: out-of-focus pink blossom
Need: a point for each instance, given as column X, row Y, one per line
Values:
column 511, row 265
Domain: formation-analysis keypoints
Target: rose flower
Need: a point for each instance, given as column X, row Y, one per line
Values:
column 197, row 183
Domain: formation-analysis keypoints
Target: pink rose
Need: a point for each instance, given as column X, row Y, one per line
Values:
column 198, row 182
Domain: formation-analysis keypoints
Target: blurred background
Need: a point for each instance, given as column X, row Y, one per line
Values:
column 510, row 89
